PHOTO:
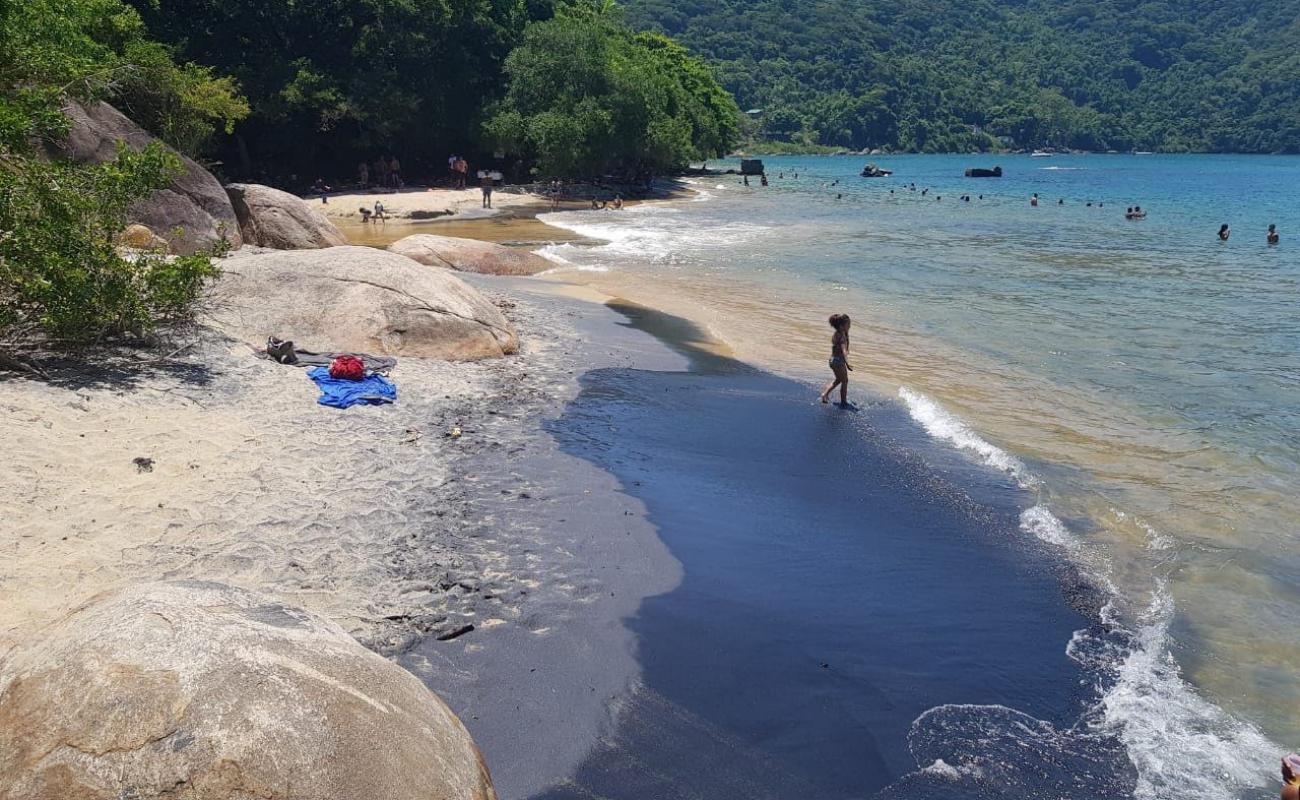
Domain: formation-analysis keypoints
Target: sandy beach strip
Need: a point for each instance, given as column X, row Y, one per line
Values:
column 511, row 220
column 219, row 465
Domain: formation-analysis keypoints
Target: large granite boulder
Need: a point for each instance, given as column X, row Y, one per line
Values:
column 469, row 255
column 200, row 691
column 357, row 299
column 195, row 203
column 272, row 218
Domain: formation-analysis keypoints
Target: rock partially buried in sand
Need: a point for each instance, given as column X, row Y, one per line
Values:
column 272, row 218
column 357, row 299
column 195, row 203
column 139, row 237
column 202, row 691
column 469, row 255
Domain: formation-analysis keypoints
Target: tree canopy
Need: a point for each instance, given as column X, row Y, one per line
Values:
column 586, row 95
column 334, row 82
column 939, row 75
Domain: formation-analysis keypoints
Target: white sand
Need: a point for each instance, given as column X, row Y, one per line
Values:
column 252, row 483
column 459, row 203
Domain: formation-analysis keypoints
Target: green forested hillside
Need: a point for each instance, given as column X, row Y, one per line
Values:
column 933, row 75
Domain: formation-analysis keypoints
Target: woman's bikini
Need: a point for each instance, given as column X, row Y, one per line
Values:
column 838, row 342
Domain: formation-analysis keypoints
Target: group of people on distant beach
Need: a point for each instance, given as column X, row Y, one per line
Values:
column 386, row 173
column 614, row 205
column 1271, row 236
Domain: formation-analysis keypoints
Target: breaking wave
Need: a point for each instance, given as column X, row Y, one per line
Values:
column 1147, row 734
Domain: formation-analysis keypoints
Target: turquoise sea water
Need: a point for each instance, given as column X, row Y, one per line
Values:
column 1141, row 378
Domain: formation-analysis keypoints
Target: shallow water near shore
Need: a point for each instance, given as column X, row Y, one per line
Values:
column 1137, row 382
column 841, row 582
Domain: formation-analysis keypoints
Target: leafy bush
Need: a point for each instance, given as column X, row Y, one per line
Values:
column 60, row 272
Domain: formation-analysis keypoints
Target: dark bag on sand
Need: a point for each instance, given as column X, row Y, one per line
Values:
column 281, row 350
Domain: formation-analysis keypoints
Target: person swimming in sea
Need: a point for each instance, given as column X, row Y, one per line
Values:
column 839, row 362
column 1033, row 201
column 1273, row 238
column 1224, row 232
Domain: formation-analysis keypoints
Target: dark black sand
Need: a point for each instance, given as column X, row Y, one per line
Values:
column 840, row 578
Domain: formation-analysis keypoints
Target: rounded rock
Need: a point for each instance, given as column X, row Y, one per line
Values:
column 200, row 691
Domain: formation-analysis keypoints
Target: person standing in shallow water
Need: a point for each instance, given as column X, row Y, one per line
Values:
column 839, row 362
column 1224, row 232
column 1272, row 234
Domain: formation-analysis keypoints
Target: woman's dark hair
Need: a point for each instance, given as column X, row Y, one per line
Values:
column 1223, row 227
column 839, row 320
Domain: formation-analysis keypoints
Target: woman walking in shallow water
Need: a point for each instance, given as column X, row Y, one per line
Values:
column 839, row 359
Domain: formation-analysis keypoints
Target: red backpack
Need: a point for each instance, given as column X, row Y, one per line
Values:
column 348, row 368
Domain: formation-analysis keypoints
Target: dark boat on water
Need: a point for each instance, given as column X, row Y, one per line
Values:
column 980, row 172
column 872, row 171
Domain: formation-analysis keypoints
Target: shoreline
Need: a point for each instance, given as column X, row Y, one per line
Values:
column 512, row 221
column 419, row 543
column 704, row 647
column 1150, row 643
column 507, row 528
column 588, row 660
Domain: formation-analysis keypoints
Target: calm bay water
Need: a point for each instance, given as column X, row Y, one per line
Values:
column 1141, row 379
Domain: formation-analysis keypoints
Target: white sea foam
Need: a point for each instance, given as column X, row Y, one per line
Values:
column 1181, row 744
column 943, row 425
column 650, row 232
column 553, row 252
column 559, row 253
column 947, row 771
column 1044, row 524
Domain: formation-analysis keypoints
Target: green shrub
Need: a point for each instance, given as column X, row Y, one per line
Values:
column 61, row 275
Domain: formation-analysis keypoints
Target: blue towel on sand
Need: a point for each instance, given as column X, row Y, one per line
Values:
column 372, row 390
